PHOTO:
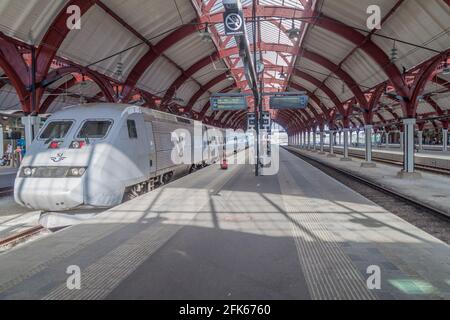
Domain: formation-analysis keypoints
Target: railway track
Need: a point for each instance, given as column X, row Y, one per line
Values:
column 431, row 220
column 21, row 236
column 5, row 192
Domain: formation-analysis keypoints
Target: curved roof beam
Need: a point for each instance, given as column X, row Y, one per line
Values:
column 344, row 76
column 152, row 54
column 324, row 88
column 53, row 39
column 187, row 74
column 16, row 70
column 203, row 90
column 104, row 85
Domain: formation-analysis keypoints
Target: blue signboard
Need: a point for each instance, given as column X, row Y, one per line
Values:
column 289, row 102
column 228, row 103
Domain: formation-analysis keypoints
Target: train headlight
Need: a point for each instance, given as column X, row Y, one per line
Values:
column 76, row 172
column 77, row 144
column 27, row 172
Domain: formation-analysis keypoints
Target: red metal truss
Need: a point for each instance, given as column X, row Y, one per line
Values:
column 154, row 53
column 203, row 90
column 15, row 69
column 334, row 26
column 53, row 39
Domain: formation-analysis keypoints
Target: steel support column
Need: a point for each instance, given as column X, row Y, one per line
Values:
column 331, row 154
column 314, row 139
column 345, row 132
column 444, row 139
column 368, row 143
column 420, row 139
column 321, row 142
column 408, row 149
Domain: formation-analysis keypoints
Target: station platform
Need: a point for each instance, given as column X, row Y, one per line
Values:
column 226, row 234
column 426, row 153
column 431, row 189
column 7, row 177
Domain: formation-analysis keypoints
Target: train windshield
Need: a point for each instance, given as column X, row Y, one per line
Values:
column 94, row 129
column 56, row 130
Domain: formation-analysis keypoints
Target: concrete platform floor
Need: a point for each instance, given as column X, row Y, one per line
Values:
column 432, row 189
column 220, row 234
column 7, row 177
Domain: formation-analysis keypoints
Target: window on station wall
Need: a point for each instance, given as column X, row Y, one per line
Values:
column 132, row 131
column 95, row 129
column 56, row 130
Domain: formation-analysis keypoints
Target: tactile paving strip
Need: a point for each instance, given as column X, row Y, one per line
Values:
column 100, row 278
column 329, row 272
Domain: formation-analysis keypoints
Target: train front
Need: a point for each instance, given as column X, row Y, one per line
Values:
column 53, row 172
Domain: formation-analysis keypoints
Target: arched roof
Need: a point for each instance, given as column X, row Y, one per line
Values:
column 156, row 53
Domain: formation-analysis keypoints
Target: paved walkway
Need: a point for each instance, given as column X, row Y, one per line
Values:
column 220, row 234
column 432, row 189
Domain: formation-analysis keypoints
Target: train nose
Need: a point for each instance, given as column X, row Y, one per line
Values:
column 49, row 194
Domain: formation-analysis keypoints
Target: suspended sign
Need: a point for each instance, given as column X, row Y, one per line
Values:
column 234, row 23
column 236, row 102
column 289, row 102
column 251, row 121
column 265, row 121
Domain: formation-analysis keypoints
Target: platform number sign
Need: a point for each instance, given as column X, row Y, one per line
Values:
column 234, row 23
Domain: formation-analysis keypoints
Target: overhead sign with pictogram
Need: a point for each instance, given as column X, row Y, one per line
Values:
column 234, row 23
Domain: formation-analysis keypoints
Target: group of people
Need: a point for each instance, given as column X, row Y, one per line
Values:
column 13, row 156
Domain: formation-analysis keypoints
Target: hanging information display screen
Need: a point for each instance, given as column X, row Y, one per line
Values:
column 219, row 103
column 289, row 102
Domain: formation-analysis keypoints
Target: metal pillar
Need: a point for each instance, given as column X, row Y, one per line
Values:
column 357, row 138
column 331, row 154
column 314, row 139
column 309, row 140
column 1, row 141
column 408, row 150
column 368, row 142
column 386, row 137
column 350, row 138
column 401, row 139
column 420, row 139
column 444, row 139
column 31, row 126
column 340, row 138
column 321, row 142
column 304, row 140
column 346, row 158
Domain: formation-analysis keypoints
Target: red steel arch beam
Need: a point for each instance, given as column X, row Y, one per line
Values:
column 208, row 103
column 104, row 85
column 324, row 88
column 47, row 102
column 187, row 74
column 53, row 39
column 344, row 76
column 234, row 117
column 203, row 90
column 15, row 68
column 312, row 56
column 311, row 95
column 152, row 54
column 426, row 73
column 334, row 26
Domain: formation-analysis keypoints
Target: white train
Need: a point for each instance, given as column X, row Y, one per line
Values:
column 97, row 155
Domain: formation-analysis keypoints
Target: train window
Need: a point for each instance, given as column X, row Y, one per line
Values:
column 94, row 129
column 132, row 132
column 56, row 130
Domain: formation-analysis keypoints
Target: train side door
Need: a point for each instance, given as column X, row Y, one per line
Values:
column 152, row 147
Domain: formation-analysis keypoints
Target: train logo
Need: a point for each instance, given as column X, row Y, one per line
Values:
column 59, row 157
